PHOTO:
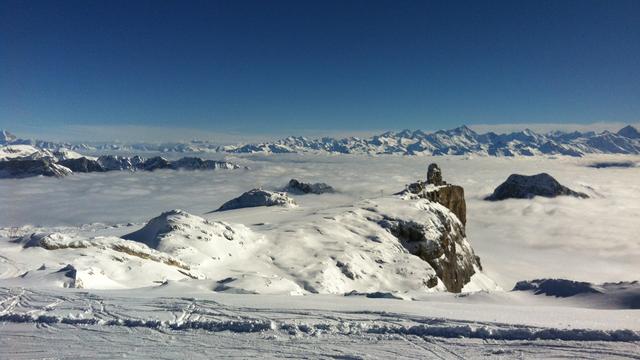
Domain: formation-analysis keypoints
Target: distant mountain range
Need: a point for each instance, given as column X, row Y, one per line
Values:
column 459, row 141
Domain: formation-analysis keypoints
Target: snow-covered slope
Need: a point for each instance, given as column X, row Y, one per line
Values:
column 367, row 247
column 17, row 161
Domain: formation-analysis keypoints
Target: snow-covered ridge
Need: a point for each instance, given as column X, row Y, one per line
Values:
column 18, row 161
column 458, row 141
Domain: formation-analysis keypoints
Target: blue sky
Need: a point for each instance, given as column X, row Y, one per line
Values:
column 281, row 67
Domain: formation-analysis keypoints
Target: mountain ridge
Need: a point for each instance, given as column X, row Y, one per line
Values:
column 457, row 141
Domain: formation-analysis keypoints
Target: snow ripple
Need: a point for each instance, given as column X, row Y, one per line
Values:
column 343, row 328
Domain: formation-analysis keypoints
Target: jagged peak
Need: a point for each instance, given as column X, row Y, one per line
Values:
column 629, row 132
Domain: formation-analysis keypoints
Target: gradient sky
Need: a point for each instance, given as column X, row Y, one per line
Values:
column 287, row 66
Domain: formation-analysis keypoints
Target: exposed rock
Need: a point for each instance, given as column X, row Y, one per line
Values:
column 298, row 187
column 27, row 168
column 436, row 189
column 555, row 287
column 115, row 162
column 629, row 132
column 526, row 187
column 618, row 295
column 155, row 163
column 448, row 253
column 258, row 197
column 195, row 163
column 451, row 197
column 613, row 164
column 442, row 244
column 62, row 162
column 82, row 164
column 434, row 175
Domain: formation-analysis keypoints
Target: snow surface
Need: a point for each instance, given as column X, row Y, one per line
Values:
column 182, row 310
column 173, row 322
column 334, row 250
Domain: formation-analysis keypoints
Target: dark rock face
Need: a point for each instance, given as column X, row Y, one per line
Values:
column 155, row 163
column 194, row 163
column 613, row 164
column 434, row 175
column 526, row 187
column 299, row 187
column 258, row 197
column 449, row 196
column 450, row 256
column 82, row 164
column 114, row 162
column 28, row 168
column 629, row 132
column 555, row 287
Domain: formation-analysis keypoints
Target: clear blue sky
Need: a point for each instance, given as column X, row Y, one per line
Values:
column 280, row 66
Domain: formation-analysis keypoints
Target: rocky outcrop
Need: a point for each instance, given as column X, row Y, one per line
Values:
column 618, row 295
column 115, row 162
column 526, row 187
column 434, row 175
column 155, row 163
column 448, row 252
column 442, row 244
column 82, row 165
column 451, row 197
column 26, row 161
column 556, row 287
column 27, row 168
column 298, row 187
column 258, row 197
column 436, row 189
column 195, row 163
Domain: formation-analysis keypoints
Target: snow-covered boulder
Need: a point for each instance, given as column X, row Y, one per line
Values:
column 619, row 295
column 298, row 187
column 258, row 197
column 193, row 239
column 525, row 187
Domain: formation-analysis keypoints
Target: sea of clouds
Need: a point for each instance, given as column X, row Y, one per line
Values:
column 591, row 240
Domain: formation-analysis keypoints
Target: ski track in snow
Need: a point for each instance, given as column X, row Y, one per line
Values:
column 165, row 327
